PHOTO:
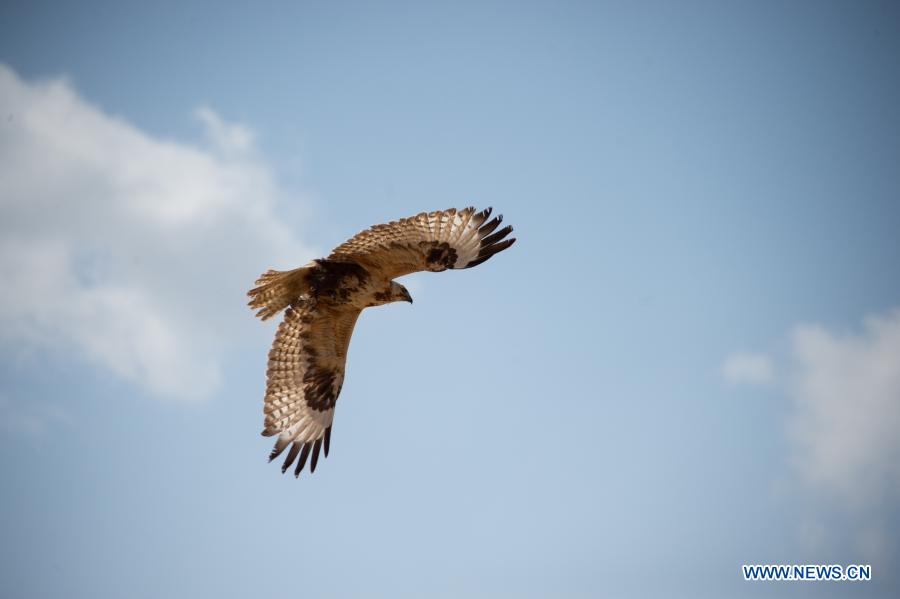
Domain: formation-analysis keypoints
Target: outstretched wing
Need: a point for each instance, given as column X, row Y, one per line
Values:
column 432, row 241
column 305, row 374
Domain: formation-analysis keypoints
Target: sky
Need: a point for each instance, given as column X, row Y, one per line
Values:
column 689, row 361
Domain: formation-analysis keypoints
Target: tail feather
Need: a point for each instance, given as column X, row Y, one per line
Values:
column 275, row 290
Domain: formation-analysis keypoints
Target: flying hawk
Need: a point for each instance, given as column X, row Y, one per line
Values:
column 325, row 297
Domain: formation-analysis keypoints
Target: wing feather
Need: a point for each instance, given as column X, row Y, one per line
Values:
column 292, row 454
column 302, row 461
column 432, row 241
column 304, row 379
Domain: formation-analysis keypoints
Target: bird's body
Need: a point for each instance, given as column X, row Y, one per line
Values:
column 325, row 298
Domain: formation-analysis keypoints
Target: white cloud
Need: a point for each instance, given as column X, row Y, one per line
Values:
column 844, row 432
column 748, row 367
column 127, row 251
column 846, row 425
column 228, row 137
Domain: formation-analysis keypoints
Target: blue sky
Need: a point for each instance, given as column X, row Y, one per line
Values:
column 689, row 361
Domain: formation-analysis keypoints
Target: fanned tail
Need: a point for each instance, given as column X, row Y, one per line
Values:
column 276, row 289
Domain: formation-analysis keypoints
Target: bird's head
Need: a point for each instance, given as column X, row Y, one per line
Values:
column 395, row 292
column 399, row 293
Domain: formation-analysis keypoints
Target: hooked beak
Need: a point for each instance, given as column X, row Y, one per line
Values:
column 407, row 296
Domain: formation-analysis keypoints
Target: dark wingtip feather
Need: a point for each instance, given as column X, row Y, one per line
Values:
column 295, row 449
column 302, row 461
column 476, row 262
column 497, row 247
column 483, row 215
column 280, row 445
column 315, row 455
column 327, row 440
column 492, row 244
column 492, row 239
column 487, row 228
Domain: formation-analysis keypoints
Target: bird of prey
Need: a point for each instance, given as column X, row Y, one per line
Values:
column 325, row 297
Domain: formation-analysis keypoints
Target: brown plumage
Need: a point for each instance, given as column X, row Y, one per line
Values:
column 325, row 297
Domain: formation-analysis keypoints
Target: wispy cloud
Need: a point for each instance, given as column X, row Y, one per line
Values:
column 846, row 391
column 128, row 251
column 844, row 428
column 748, row 367
column 227, row 137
